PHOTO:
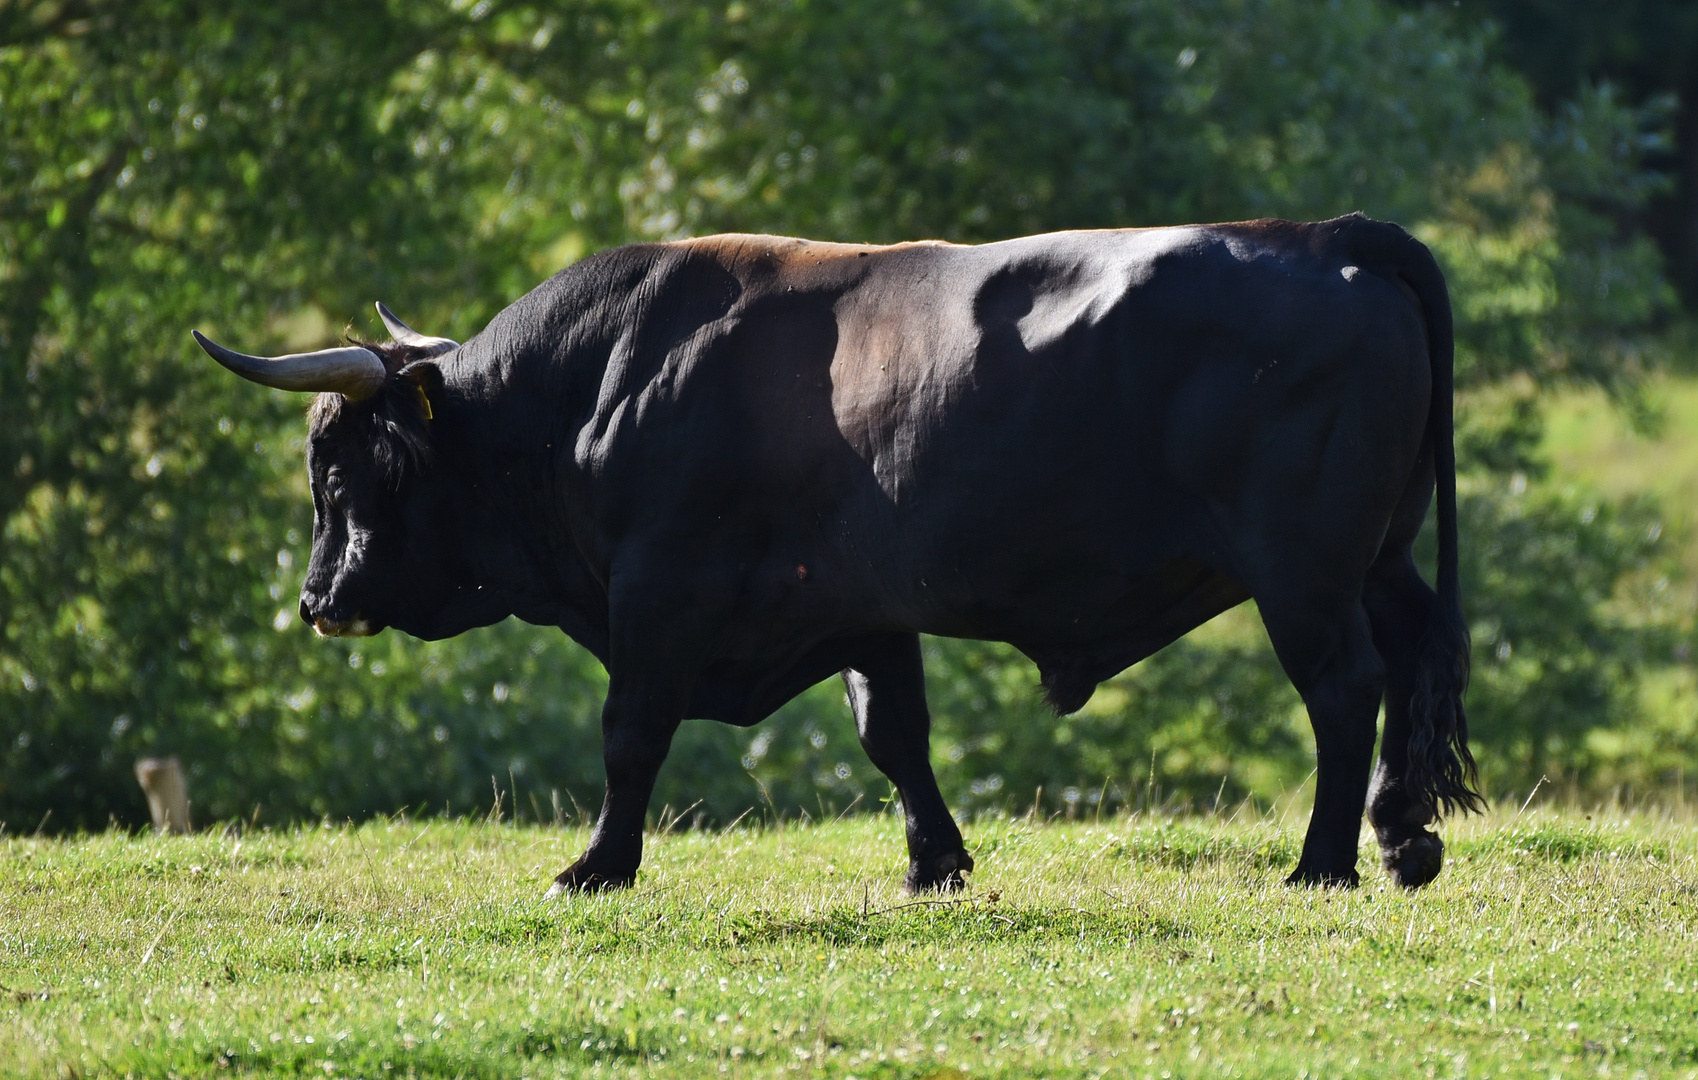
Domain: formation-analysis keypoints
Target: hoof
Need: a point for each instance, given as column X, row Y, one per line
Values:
column 1312, row 879
column 580, row 879
column 939, row 874
column 1415, row 860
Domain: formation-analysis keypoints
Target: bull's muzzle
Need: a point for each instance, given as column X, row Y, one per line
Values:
column 324, row 626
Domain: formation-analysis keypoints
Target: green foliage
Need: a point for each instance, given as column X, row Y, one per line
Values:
column 1554, row 666
column 1642, row 48
column 145, row 499
column 264, row 172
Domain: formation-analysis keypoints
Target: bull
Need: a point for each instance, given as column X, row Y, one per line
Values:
column 733, row 466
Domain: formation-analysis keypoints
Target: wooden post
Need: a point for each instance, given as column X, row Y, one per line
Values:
column 167, row 793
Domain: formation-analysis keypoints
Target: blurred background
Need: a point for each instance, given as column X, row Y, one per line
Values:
column 265, row 171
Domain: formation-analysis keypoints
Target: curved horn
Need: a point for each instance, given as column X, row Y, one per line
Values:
column 351, row 371
column 406, row 335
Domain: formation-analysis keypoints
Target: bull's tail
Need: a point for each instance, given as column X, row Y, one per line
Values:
column 1442, row 772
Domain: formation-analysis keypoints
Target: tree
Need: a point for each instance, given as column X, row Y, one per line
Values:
column 265, row 172
column 1647, row 51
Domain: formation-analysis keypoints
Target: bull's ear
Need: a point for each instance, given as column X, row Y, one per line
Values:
column 424, row 379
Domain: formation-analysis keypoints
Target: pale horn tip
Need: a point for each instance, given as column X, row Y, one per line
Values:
column 391, row 322
column 406, row 335
column 230, row 359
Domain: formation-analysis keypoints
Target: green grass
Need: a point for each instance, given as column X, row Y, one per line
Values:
column 1554, row 944
column 1593, row 447
column 1592, row 441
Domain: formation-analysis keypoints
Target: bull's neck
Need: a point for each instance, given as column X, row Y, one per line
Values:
column 512, row 542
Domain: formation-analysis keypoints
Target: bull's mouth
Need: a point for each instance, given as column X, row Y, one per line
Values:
column 355, row 627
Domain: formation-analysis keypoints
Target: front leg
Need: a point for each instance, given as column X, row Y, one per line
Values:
column 651, row 665
column 887, row 691
column 635, row 738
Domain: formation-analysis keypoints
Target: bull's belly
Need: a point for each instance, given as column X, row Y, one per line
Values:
column 1079, row 624
column 1076, row 639
column 1076, row 610
column 1057, row 566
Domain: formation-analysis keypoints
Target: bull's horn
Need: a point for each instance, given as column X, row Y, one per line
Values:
column 406, row 335
column 351, row 371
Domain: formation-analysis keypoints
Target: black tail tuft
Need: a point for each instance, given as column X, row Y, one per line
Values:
column 1442, row 773
column 1441, row 770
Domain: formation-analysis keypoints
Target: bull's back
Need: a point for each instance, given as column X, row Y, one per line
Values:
column 961, row 435
column 1063, row 413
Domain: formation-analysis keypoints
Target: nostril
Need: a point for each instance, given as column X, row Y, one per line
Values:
column 306, row 612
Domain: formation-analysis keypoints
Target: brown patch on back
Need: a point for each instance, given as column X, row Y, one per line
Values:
column 783, row 255
column 1314, row 236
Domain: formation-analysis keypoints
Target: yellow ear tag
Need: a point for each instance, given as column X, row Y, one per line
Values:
column 424, row 399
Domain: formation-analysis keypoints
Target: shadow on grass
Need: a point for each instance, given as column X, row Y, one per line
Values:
column 1170, row 845
column 955, row 924
column 354, row 946
column 489, row 1054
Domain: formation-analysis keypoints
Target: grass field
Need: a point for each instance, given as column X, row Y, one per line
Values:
column 1554, row 944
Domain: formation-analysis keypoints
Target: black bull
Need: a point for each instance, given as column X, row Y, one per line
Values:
column 732, row 466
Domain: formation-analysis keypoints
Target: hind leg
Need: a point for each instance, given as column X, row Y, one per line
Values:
column 1327, row 649
column 887, row 691
column 1398, row 602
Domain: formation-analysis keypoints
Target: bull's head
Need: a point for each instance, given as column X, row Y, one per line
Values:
column 376, row 531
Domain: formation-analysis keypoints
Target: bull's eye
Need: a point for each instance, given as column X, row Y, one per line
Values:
column 333, row 490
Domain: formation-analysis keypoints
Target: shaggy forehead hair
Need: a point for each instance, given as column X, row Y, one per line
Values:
column 392, row 423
